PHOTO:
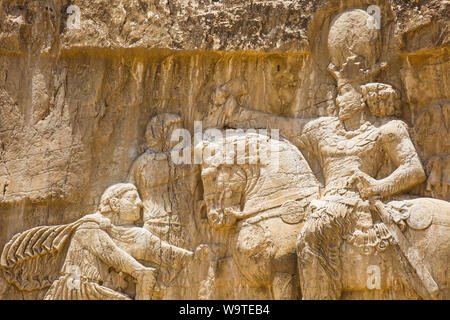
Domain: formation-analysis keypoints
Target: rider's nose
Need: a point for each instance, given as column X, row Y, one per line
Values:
column 140, row 204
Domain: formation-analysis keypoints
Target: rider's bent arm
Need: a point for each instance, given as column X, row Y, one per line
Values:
column 398, row 145
column 101, row 245
column 245, row 118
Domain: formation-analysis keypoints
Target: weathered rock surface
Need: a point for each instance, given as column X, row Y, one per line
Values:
column 75, row 103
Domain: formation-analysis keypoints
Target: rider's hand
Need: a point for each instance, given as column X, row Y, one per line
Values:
column 365, row 184
column 145, row 275
column 232, row 212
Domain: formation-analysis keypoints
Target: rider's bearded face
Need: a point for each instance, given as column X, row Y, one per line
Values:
column 349, row 102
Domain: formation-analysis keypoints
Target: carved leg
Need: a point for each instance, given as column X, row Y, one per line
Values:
column 284, row 286
column 317, row 263
column 315, row 283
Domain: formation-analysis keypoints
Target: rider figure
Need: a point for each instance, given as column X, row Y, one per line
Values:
column 351, row 148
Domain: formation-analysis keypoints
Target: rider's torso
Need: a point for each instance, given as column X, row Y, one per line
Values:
column 342, row 152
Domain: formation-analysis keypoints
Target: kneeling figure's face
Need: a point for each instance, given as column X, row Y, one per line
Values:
column 130, row 206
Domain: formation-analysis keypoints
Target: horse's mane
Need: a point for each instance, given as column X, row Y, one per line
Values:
column 242, row 159
column 229, row 143
column 286, row 176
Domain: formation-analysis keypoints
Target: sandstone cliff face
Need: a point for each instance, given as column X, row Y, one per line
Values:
column 74, row 103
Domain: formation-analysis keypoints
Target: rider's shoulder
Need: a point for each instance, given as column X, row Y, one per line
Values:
column 394, row 129
column 394, row 126
column 318, row 123
column 94, row 221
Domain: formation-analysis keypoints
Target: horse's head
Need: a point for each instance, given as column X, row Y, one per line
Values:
column 238, row 184
column 224, row 180
column 223, row 194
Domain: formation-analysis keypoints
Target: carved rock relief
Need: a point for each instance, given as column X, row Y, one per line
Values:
column 355, row 205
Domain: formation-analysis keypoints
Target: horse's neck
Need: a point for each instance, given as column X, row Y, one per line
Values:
column 262, row 193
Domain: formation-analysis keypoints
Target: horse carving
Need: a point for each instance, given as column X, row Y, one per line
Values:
column 260, row 205
column 263, row 209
